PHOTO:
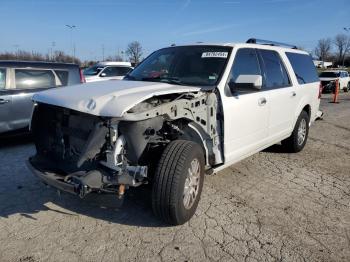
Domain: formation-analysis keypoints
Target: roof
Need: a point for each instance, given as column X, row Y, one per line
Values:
column 39, row 64
column 112, row 63
column 251, row 45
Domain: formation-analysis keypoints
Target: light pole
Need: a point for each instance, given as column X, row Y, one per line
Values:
column 53, row 44
column 71, row 27
column 346, row 29
column 17, row 50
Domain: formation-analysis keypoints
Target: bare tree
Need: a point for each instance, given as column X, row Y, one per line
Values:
column 117, row 58
column 58, row 56
column 323, row 48
column 134, row 51
column 342, row 43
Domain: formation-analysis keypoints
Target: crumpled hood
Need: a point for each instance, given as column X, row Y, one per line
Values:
column 107, row 98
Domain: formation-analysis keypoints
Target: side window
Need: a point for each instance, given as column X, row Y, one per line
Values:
column 2, row 78
column 245, row 63
column 275, row 73
column 31, row 78
column 304, row 68
column 109, row 72
column 62, row 76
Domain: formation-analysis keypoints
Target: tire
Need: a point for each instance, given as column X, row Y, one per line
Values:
column 171, row 177
column 347, row 88
column 295, row 143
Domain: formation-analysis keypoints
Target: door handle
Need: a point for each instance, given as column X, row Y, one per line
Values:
column 294, row 94
column 262, row 101
column 4, row 101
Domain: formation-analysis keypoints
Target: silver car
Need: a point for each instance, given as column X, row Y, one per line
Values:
column 19, row 80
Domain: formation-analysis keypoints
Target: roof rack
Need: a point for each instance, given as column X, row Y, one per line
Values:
column 268, row 42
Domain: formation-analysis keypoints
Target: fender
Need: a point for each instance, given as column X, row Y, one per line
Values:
column 305, row 101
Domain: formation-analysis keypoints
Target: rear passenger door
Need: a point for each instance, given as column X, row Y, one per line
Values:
column 26, row 83
column 280, row 94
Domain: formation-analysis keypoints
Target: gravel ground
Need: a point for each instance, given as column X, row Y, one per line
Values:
column 271, row 206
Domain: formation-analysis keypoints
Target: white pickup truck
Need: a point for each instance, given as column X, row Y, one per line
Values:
column 185, row 111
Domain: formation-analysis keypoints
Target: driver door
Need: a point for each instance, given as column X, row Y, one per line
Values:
column 246, row 110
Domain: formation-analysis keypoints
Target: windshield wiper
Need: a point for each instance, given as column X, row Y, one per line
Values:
column 170, row 80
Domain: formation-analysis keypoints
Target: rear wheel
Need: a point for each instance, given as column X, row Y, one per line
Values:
column 178, row 182
column 347, row 88
column 296, row 142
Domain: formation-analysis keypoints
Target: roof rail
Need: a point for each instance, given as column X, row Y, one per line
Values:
column 268, row 42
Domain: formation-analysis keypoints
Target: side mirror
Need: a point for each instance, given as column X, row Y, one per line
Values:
column 103, row 74
column 246, row 82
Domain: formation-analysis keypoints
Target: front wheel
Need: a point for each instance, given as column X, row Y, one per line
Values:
column 296, row 142
column 178, row 182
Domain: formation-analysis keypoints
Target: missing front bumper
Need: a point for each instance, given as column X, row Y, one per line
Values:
column 83, row 182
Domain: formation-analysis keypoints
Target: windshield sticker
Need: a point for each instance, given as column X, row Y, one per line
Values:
column 214, row 55
column 212, row 77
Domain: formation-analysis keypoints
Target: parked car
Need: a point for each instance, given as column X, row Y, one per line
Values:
column 183, row 112
column 19, row 80
column 329, row 77
column 107, row 71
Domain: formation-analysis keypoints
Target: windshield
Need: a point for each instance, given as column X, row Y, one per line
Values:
column 92, row 71
column 186, row 65
column 329, row 74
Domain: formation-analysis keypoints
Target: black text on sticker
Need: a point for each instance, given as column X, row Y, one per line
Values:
column 214, row 55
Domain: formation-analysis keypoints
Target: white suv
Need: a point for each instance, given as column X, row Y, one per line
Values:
column 107, row 71
column 183, row 112
column 328, row 78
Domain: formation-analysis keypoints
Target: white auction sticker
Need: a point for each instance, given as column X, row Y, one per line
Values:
column 214, row 55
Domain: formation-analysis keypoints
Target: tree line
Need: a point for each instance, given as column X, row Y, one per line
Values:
column 336, row 50
column 134, row 51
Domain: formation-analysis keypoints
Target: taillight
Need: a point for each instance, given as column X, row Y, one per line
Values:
column 82, row 77
column 320, row 91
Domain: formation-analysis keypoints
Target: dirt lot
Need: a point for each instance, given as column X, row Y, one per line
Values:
column 271, row 206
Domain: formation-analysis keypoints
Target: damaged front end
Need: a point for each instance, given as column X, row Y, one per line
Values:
column 82, row 153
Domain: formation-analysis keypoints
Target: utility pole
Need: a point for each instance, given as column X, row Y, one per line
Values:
column 72, row 46
column 17, row 50
column 53, row 44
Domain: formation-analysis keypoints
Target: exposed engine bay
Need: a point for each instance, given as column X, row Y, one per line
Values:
column 95, row 153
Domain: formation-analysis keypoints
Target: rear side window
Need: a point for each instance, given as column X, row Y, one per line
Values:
column 2, row 78
column 30, row 79
column 246, row 63
column 62, row 76
column 304, row 68
column 275, row 73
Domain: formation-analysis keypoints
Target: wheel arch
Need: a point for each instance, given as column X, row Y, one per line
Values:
column 304, row 105
column 194, row 132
